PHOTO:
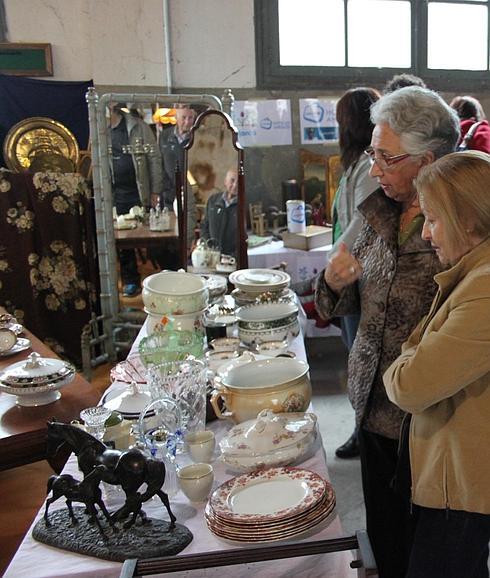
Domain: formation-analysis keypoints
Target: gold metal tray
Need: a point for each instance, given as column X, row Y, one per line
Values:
column 42, row 142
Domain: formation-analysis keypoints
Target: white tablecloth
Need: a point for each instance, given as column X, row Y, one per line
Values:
column 41, row 561
column 301, row 265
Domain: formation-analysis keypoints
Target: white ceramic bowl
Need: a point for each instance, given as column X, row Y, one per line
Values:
column 186, row 322
column 267, row 322
column 216, row 359
column 272, row 348
column 252, row 338
column 174, row 292
column 225, row 344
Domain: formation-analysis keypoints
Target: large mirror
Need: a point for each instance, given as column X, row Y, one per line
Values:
column 146, row 143
column 215, row 196
column 127, row 134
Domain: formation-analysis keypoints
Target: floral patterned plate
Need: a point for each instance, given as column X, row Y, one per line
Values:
column 268, row 494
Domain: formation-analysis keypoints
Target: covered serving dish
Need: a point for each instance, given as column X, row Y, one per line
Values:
column 273, row 439
column 36, row 380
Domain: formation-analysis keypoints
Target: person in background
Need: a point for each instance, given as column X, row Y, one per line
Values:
column 388, row 277
column 172, row 142
column 443, row 376
column 220, row 219
column 401, row 81
column 475, row 131
column 355, row 130
column 136, row 180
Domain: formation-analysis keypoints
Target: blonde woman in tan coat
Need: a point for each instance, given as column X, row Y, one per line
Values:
column 442, row 376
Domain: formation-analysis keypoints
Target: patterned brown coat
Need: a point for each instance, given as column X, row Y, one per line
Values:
column 394, row 292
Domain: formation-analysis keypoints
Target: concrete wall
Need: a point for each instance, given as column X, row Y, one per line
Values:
column 120, row 44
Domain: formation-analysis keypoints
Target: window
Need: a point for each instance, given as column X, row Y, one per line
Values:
column 339, row 43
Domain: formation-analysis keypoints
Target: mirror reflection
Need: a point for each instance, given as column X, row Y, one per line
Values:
column 154, row 152
column 212, row 171
column 146, row 144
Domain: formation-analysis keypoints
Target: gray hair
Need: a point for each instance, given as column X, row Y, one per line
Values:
column 422, row 120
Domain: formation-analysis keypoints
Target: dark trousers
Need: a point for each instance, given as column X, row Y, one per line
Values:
column 127, row 257
column 450, row 544
column 388, row 519
column 349, row 325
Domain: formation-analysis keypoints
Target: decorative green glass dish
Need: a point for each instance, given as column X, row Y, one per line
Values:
column 170, row 346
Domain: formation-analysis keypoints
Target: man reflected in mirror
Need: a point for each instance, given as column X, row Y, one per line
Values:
column 220, row 219
column 172, row 142
column 136, row 168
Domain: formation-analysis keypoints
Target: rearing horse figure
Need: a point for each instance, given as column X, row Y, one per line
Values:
column 129, row 469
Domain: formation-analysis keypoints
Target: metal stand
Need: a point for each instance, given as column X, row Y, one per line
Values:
column 365, row 564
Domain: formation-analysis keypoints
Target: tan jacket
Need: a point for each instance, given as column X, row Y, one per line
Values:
column 442, row 377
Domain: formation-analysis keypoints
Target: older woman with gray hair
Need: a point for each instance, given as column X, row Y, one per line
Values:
column 388, row 279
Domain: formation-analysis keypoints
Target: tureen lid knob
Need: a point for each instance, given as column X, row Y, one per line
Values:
column 33, row 361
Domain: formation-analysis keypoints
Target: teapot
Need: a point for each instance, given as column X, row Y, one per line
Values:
column 206, row 255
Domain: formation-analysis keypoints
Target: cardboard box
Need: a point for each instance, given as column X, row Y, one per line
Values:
column 314, row 236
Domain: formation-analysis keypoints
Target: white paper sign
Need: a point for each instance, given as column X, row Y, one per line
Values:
column 318, row 121
column 263, row 122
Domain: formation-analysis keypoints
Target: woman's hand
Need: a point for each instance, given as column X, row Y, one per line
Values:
column 343, row 269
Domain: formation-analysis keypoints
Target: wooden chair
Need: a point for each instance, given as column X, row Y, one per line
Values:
column 257, row 218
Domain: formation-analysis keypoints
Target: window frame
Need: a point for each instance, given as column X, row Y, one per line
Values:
column 271, row 75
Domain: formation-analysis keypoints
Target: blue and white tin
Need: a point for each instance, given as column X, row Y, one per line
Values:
column 295, row 210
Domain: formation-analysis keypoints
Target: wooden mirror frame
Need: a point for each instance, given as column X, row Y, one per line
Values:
column 309, row 158
column 182, row 184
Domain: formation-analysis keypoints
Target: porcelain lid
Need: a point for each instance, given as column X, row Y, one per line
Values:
column 36, row 371
column 267, row 433
column 128, row 401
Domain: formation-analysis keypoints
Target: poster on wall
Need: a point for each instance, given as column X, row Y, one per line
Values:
column 263, row 122
column 317, row 121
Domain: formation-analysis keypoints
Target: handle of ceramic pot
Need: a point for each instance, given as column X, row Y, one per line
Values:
column 216, row 395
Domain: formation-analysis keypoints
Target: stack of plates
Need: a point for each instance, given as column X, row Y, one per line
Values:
column 269, row 505
column 257, row 281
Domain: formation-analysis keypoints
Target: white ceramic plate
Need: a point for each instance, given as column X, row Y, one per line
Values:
column 21, row 345
column 259, row 280
column 268, row 495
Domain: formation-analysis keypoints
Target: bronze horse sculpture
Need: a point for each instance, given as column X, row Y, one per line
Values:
column 87, row 491
column 129, row 469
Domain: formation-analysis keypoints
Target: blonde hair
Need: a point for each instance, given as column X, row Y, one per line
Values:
column 456, row 188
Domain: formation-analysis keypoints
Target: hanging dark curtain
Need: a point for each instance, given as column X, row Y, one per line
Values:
column 48, row 262
column 21, row 98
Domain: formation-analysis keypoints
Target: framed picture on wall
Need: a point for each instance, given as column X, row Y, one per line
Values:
column 21, row 59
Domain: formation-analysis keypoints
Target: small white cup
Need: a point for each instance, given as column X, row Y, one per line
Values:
column 217, row 358
column 201, row 445
column 196, row 481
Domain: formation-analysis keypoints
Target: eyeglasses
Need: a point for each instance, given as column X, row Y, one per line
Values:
column 384, row 161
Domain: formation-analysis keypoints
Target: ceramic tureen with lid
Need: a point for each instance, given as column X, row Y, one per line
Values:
column 36, row 380
column 270, row 440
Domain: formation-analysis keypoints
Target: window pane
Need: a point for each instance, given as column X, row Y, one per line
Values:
column 311, row 33
column 379, row 33
column 453, row 46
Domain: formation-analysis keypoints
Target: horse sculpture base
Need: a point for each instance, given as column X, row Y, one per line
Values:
column 149, row 540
